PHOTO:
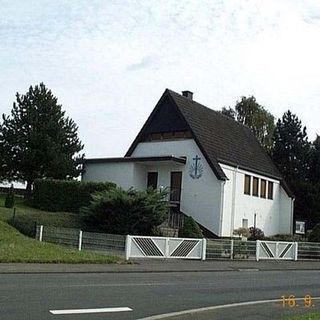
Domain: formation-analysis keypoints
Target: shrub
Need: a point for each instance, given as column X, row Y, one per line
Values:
column 314, row 236
column 65, row 195
column 9, row 202
column 255, row 234
column 244, row 232
column 190, row 229
column 284, row 237
column 25, row 225
column 126, row 212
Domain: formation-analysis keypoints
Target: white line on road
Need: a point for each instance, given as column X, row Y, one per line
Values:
column 97, row 310
column 212, row 308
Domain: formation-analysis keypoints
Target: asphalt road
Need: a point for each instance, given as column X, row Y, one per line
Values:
column 32, row 296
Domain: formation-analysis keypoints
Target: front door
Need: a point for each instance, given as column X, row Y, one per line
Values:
column 175, row 186
column 152, row 180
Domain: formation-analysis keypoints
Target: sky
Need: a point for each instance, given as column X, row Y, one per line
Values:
column 108, row 62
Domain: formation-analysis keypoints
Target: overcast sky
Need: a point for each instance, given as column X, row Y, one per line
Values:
column 108, row 62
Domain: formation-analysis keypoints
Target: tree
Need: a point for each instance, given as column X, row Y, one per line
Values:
column 292, row 156
column 126, row 212
column 37, row 140
column 229, row 112
column 291, row 151
column 315, row 161
column 250, row 113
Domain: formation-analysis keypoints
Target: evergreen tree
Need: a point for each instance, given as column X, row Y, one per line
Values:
column 315, row 161
column 291, row 152
column 37, row 140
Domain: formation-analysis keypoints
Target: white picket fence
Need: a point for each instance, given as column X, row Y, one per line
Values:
column 178, row 248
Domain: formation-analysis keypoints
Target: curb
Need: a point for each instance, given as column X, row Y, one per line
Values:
column 156, row 271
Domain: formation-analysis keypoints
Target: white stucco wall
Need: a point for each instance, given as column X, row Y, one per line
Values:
column 121, row 173
column 201, row 197
column 238, row 206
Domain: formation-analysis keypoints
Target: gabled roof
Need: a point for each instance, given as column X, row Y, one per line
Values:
column 220, row 138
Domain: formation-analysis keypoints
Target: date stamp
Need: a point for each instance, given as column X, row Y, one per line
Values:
column 292, row 302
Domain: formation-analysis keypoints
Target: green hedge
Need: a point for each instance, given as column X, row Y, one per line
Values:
column 65, row 195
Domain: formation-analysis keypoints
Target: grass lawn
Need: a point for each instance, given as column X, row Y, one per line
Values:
column 310, row 316
column 15, row 247
column 26, row 217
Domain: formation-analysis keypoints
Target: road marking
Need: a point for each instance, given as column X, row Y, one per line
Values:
column 248, row 270
column 97, row 310
column 212, row 308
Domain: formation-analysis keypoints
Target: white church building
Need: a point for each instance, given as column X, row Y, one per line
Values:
column 214, row 167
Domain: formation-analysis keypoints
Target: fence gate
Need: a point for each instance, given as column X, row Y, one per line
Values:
column 163, row 247
column 276, row 250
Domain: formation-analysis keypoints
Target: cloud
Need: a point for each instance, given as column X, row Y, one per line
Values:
column 108, row 62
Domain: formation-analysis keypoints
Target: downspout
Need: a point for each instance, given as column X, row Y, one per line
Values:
column 292, row 210
column 233, row 204
column 223, row 182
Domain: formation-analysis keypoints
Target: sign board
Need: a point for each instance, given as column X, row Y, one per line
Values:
column 300, row 227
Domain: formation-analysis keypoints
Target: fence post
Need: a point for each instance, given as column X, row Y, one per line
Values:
column 231, row 250
column 128, row 247
column 295, row 251
column 41, row 233
column 257, row 249
column 80, row 240
column 167, row 251
column 204, row 249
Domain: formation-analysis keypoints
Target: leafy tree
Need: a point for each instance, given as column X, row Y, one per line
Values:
column 229, row 112
column 250, row 113
column 291, row 152
column 37, row 140
column 126, row 212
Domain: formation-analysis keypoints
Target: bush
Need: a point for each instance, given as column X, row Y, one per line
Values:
column 25, row 225
column 314, row 236
column 255, row 234
column 126, row 212
column 9, row 202
column 65, row 195
column 190, row 229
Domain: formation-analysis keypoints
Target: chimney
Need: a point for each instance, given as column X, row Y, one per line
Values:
column 188, row 94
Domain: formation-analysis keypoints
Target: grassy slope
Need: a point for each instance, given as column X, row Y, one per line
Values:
column 15, row 247
column 31, row 215
column 310, row 316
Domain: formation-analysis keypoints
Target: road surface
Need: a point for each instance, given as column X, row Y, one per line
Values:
column 140, row 295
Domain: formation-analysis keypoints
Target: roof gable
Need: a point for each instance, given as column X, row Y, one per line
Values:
column 220, row 138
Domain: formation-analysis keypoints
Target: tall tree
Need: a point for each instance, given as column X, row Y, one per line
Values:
column 291, row 152
column 257, row 118
column 37, row 140
column 315, row 161
column 250, row 113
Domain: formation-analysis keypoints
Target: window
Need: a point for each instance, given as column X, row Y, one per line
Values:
column 247, row 184
column 255, row 187
column 152, row 181
column 156, row 136
column 167, row 135
column 270, row 190
column 263, row 188
column 245, row 223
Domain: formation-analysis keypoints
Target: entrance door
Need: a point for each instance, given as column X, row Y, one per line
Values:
column 175, row 186
column 152, row 180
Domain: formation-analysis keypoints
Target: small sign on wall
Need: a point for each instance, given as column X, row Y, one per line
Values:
column 196, row 168
column 300, row 227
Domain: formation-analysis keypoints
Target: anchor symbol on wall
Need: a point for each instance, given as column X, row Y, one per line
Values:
column 196, row 169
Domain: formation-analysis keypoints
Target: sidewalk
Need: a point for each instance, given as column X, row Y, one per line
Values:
column 160, row 265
